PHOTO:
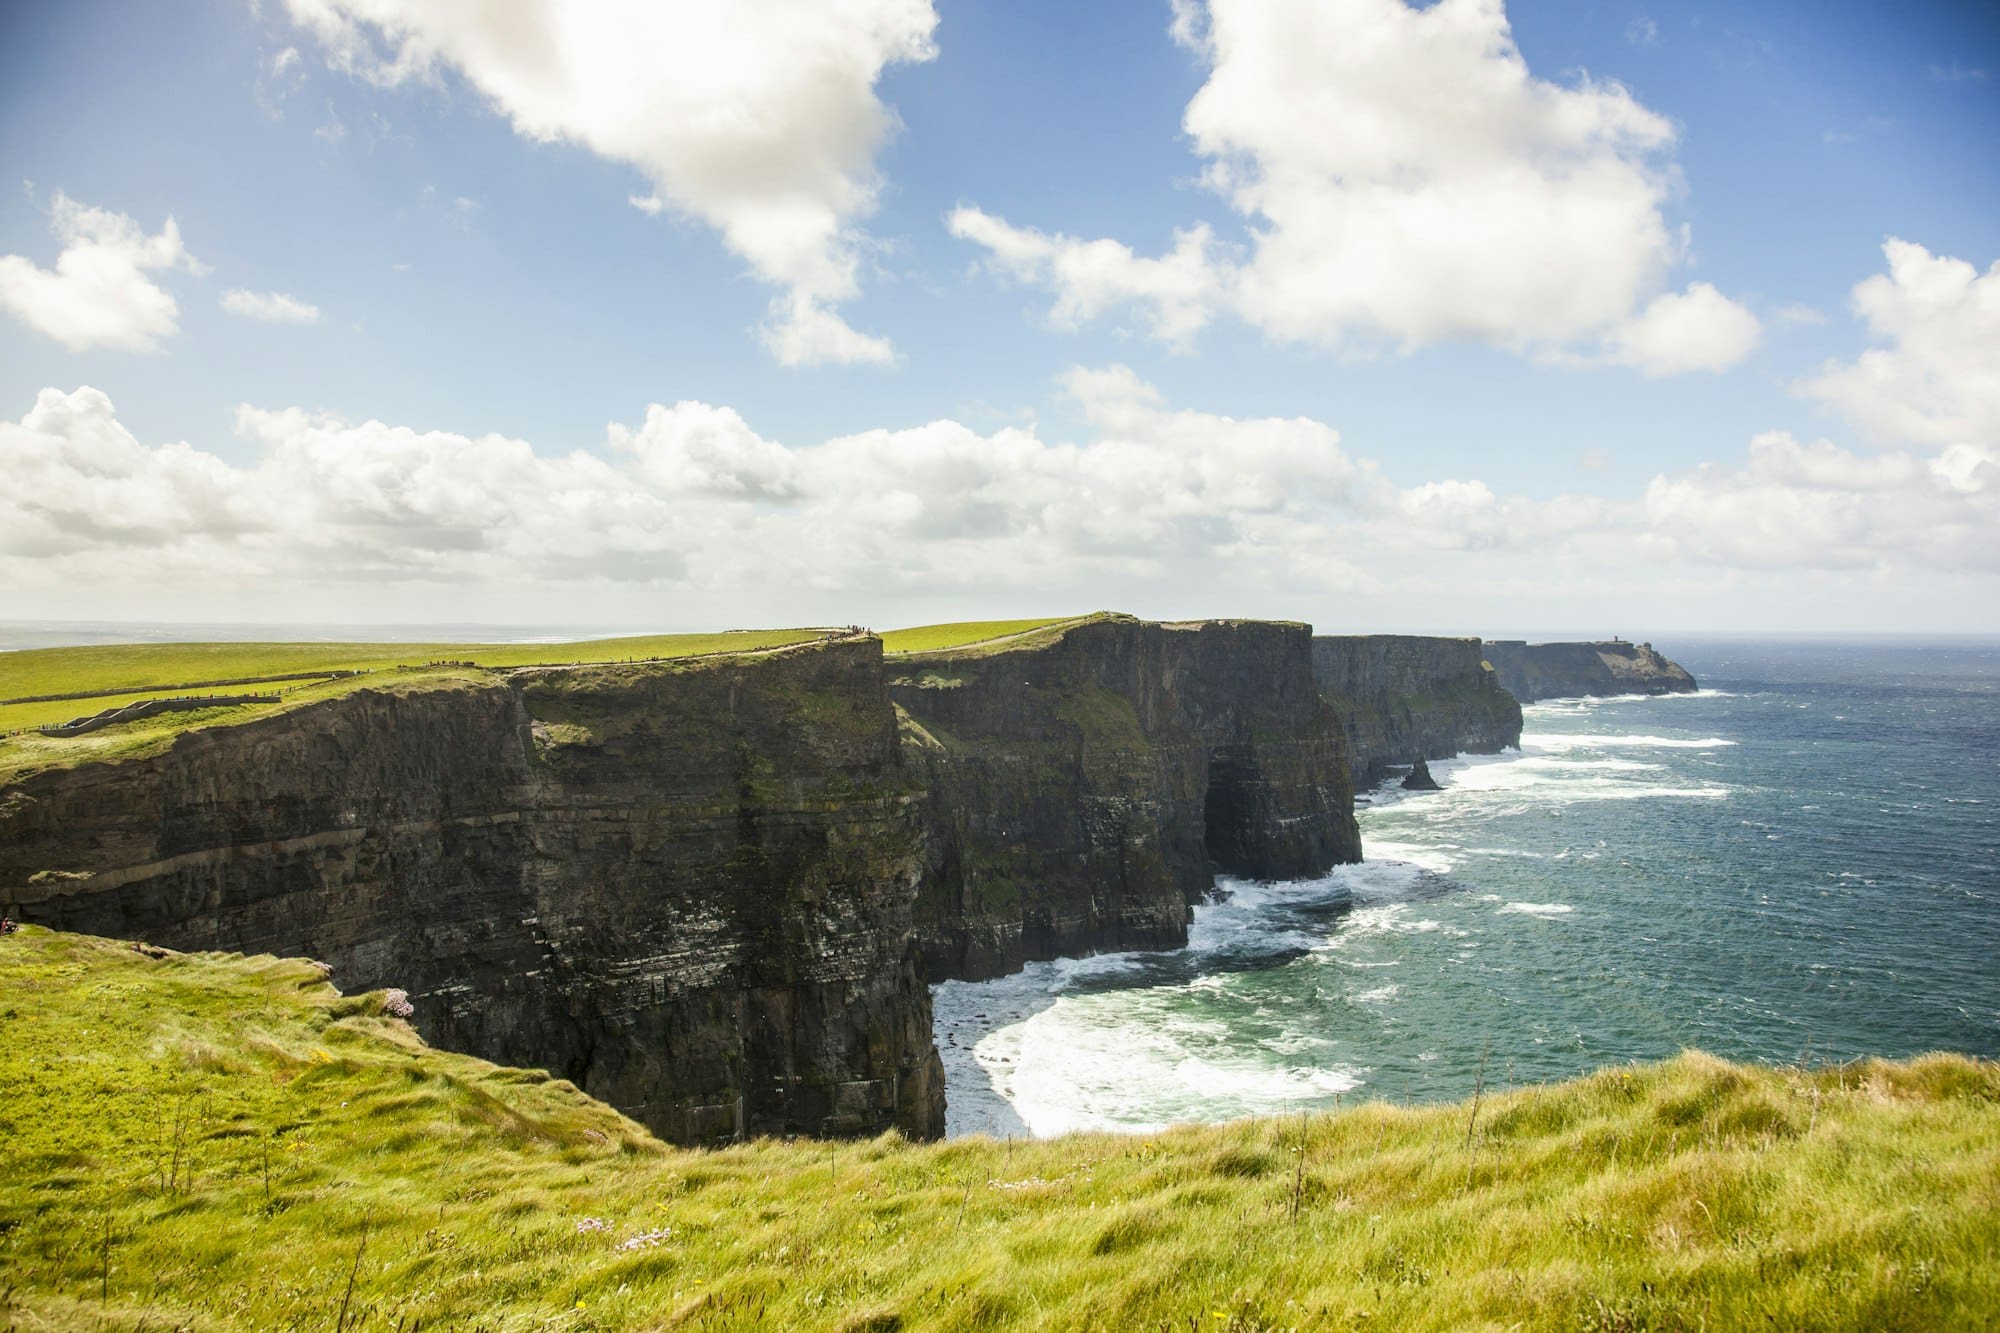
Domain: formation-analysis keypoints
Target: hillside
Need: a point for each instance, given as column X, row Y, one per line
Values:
column 218, row 1142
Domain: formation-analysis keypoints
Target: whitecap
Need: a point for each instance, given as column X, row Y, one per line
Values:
column 1608, row 740
column 1425, row 856
column 1539, row 909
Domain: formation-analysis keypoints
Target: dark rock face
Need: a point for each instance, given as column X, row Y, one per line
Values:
column 1532, row 671
column 1403, row 697
column 687, row 888
column 1420, row 778
column 1084, row 792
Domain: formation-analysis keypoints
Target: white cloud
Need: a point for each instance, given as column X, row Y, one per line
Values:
column 1642, row 31
column 1513, row 211
column 1699, row 329
column 1179, row 291
column 278, row 78
column 761, row 119
column 1154, row 505
column 98, row 294
column 1937, row 383
column 1818, row 506
column 269, row 307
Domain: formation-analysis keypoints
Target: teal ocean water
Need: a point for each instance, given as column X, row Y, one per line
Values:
column 1801, row 861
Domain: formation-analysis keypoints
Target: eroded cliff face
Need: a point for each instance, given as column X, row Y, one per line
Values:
column 1403, row 697
column 689, row 888
column 1084, row 792
column 1532, row 671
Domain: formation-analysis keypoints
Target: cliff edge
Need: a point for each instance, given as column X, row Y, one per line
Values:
column 1402, row 698
column 687, row 887
column 1087, row 785
column 1532, row 671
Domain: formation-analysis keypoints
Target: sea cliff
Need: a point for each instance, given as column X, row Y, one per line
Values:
column 687, row 887
column 1402, row 698
column 1532, row 671
column 709, row 891
column 1086, row 788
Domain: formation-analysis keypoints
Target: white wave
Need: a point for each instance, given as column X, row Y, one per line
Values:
column 1090, row 1063
column 1389, row 918
column 1571, row 740
column 1417, row 855
column 1380, row 995
column 1539, row 909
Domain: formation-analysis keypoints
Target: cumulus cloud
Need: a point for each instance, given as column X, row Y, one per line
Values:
column 1153, row 503
column 1677, row 332
column 1179, row 291
column 1794, row 505
column 1937, row 381
column 760, row 119
column 269, row 307
column 99, row 293
column 1514, row 210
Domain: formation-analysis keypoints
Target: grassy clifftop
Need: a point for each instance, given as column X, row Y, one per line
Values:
column 49, row 686
column 229, row 1143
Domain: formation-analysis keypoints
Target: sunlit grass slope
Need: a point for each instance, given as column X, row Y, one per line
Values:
column 156, row 666
column 972, row 633
column 150, row 670
column 227, row 1143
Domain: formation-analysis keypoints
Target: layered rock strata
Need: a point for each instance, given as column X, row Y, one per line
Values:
column 1086, row 788
column 1402, row 698
column 689, row 888
column 1532, row 671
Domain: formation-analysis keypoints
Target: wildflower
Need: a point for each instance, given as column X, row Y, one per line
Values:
column 588, row 1224
column 396, row 1004
column 645, row 1240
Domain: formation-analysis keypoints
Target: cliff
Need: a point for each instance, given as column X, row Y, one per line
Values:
column 687, row 887
column 706, row 890
column 1532, row 671
column 1086, row 787
column 1402, row 698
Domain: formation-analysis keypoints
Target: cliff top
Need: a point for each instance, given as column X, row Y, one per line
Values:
column 980, row 635
column 48, row 687
column 991, row 637
column 227, row 1142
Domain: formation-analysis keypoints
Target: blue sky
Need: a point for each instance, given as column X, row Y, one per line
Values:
column 1446, row 461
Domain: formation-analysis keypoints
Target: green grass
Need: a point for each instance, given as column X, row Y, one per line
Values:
column 213, row 1142
column 975, row 634
column 148, row 670
column 135, row 667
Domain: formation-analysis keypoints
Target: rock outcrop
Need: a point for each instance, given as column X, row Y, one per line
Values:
column 1420, row 778
column 1086, row 788
column 1404, row 697
column 689, row 888
column 1533, row 671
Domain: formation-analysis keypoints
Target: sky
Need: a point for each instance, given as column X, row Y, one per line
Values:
column 1461, row 317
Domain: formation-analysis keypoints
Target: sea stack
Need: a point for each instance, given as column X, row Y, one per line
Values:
column 1420, row 778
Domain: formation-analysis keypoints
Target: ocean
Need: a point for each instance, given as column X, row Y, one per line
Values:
column 1800, row 862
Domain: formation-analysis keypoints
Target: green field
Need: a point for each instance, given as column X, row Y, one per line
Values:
column 972, row 633
column 166, row 666
column 209, row 1142
column 150, row 670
